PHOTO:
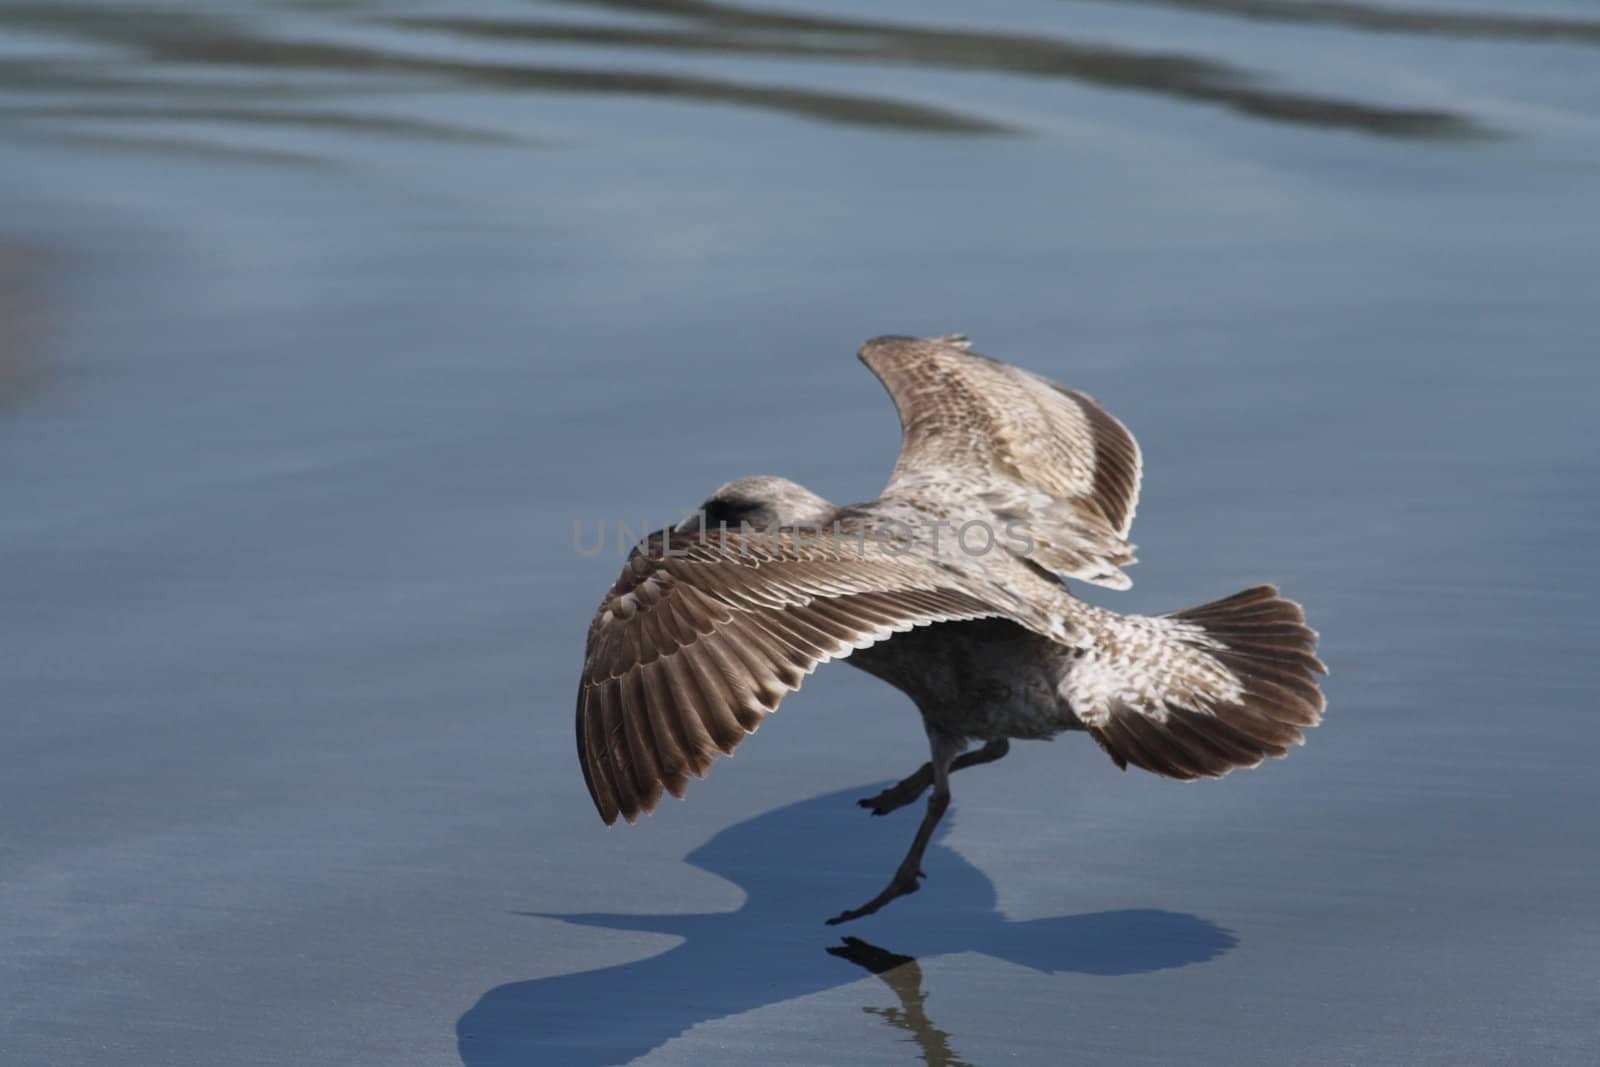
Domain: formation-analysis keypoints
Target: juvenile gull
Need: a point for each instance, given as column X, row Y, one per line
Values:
column 948, row 587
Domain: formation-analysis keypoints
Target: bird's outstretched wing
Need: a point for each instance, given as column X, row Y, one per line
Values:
column 982, row 432
column 703, row 635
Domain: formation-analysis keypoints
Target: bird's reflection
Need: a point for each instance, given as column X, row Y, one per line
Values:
column 795, row 864
column 903, row 975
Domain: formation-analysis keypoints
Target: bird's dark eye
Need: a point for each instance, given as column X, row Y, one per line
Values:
column 730, row 510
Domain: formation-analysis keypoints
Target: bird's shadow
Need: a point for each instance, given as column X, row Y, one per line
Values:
column 797, row 865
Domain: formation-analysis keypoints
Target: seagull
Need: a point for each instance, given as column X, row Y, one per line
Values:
column 951, row 587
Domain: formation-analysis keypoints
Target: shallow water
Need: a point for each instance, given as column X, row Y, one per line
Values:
column 322, row 323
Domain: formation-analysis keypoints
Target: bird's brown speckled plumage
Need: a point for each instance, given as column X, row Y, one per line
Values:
column 709, row 627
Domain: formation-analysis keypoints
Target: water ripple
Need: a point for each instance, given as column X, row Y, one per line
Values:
column 1537, row 28
column 183, row 69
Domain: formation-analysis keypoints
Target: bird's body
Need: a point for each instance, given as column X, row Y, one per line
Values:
column 948, row 587
column 984, row 680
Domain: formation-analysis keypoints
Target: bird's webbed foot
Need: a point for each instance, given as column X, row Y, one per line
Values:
column 913, row 785
column 903, row 792
column 905, row 883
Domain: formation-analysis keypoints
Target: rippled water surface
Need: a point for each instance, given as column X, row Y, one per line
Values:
column 320, row 324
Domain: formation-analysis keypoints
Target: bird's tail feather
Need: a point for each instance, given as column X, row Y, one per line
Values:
column 1196, row 693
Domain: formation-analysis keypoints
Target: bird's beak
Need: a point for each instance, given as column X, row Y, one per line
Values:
column 693, row 523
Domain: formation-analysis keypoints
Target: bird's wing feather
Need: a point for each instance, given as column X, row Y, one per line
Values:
column 1028, row 450
column 703, row 635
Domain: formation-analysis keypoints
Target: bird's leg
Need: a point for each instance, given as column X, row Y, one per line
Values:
column 904, row 882
column 911, row 787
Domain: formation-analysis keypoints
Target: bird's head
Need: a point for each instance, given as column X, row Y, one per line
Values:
column 763, row 501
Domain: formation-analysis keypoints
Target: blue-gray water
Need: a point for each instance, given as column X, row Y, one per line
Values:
column 321, row 323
